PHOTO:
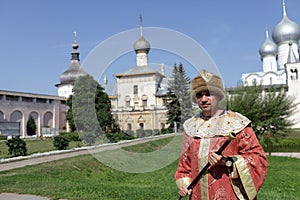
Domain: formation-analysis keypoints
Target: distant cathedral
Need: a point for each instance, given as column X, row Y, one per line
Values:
column 280, row 61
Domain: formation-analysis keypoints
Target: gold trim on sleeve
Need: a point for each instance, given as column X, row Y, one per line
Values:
column 245, row 176
column 183, row 181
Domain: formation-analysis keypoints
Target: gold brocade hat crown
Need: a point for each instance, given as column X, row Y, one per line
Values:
column 206, row 81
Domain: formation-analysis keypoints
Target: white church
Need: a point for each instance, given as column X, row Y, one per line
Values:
column 280, row 61
column 138, row 101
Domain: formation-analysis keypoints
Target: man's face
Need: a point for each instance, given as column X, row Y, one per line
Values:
column 207, row 102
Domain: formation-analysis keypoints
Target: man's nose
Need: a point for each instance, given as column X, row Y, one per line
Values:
column 204, row 98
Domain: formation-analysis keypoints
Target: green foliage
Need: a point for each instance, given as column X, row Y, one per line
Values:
column 69, row 115
column 31, row 126
column 275, row 144
column 116, row 137
column 88, row 138
column 103, row 111
column 268, row 110
column 71, row 136
column 60, row 142
column 90, row 114
column 16, row 147
column 178, row 98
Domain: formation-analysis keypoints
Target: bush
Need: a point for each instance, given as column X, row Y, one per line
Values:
column 71, row 136
column 16, row 147
column 116, row 137
column 60, row 142
column 156, row 132
column 88, row 138
column 280, row 144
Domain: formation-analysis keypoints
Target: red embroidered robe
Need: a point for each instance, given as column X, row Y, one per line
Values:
column 243, row 179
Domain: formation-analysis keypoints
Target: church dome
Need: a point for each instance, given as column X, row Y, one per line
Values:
column 268, row 47
column 286, row 30
column 142, row 44
column 72, row 73
column 75, row 70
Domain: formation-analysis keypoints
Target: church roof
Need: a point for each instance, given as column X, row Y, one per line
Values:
column 75, row 70
column 110, row 89
column 138, row 71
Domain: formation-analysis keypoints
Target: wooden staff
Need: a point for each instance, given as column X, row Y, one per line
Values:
column 219, row 152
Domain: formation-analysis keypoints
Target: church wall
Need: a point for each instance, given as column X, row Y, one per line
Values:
column 65, row 90
column 293, row 80
column 146, row 88
column 283, row 52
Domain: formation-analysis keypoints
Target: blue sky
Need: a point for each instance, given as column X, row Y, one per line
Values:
column 36, row 36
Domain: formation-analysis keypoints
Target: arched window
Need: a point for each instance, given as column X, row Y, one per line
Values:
column 141, row 126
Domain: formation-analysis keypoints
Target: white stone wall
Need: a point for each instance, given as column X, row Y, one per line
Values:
column 294, row 89
column 65, row 90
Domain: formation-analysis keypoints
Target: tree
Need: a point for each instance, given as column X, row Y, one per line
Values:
column 69, row 115
column 90, row 110
column 31, row 126
column 184, row 94
column 178, row 98
column 269, row 110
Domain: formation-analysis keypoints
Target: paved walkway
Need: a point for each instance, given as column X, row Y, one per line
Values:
column 286, row 154
column 10, row 196
column 24, row 161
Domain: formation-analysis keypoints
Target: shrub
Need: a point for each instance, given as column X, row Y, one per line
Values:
column 116, row 137
column 140, row 133
column 71, row 136
column 16, row 147
column 156, row 132
column 60, row 142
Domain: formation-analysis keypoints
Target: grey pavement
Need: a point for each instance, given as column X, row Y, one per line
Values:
column 11, row 196
column 286, row 154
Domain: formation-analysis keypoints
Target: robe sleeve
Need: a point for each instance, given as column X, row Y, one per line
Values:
column 183, row 172
column 250, row 164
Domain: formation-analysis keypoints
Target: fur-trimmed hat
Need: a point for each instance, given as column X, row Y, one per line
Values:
column 206, row 81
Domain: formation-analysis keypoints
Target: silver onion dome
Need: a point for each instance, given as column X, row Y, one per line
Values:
column 75, row 70
column 286, row 30
column 268, row 47
column 141, row 44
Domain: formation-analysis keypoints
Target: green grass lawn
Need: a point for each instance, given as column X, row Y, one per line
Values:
column 85, row 178
column 34, row 146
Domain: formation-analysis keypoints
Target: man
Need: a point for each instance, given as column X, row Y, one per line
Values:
column 241, row 169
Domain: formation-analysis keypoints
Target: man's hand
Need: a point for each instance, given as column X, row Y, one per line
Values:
column 215, row 159
column 183, row 191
